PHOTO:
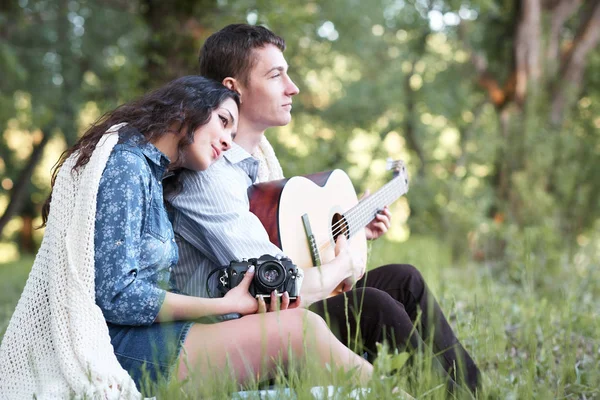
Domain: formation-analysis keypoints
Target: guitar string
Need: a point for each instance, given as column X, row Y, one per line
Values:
column 360, row 217
column 338, row 227
column 363, row 213
column 389, row 189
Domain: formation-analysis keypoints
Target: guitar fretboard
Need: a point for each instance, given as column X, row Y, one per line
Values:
column 361, row 214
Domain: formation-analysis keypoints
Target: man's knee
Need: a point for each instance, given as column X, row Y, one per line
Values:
column 412, row 272
column 372, row 300
column 404, row 272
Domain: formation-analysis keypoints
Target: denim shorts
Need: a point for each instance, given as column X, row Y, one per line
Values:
column 149, row 353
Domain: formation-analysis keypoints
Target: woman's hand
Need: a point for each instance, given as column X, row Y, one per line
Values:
column 240, row 298
column 278, row 303
column 355, row 262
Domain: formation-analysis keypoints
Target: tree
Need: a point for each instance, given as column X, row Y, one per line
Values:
column 492, row 104
column 59, row 58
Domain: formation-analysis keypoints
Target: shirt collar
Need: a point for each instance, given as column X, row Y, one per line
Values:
column 240, row 157
column 155, row 155
column 134, row 138
column 236, row 154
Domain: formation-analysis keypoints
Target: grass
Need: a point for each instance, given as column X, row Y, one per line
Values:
column 534, row 330
column 12, row 281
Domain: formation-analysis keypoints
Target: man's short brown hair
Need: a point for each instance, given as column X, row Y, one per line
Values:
column 228, row 52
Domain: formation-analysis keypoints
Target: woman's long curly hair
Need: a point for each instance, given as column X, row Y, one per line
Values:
column 185, row 103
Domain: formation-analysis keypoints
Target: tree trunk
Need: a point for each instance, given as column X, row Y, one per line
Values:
column 527, row 48
column 560, row 14
column 574, row 61
column 20, row 190
column 409, row 125
column 175, row 33
column 26, row 244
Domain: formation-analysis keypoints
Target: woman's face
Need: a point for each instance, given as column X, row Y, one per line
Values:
column 212, row 138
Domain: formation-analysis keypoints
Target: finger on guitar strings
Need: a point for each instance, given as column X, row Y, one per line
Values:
column 380, row 227
column 384, row 215
column 341, row 244
column 383, row 219
column 385, row 211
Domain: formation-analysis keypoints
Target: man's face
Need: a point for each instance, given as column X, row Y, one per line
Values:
column 267, row 99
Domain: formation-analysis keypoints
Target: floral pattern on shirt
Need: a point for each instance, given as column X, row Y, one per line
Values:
column 134, row 245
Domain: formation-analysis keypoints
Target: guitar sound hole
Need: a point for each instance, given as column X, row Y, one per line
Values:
column 339, row 225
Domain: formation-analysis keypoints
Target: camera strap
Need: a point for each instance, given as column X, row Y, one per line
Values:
column 223, row 281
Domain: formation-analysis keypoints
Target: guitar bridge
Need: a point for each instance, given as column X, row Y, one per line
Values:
column 312, row 243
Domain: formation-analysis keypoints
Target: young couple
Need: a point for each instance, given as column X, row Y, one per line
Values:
column 148, row 291
column 213, row 224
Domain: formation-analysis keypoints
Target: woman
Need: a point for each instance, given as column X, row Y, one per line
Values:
column 187, row 123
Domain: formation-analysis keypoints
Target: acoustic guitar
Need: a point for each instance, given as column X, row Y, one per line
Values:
column 304, row 215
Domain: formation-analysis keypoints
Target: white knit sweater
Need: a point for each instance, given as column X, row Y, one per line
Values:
column 57, row 343
column 269, row 168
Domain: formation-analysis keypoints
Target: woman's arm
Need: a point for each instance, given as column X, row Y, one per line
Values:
column 125, row 298
column 122, row 292
column 237, row 300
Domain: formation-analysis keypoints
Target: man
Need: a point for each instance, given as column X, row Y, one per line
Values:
column 214, row 226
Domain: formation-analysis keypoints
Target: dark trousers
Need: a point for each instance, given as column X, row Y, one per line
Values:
column 393, row 304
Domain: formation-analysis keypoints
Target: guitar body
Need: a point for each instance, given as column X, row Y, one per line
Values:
column 324, row 197
column 305, row 214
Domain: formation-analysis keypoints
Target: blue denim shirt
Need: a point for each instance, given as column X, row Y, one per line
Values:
column 134, row 245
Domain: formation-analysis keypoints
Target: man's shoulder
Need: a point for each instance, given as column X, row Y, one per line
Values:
column 222, row 183
column 219, row 172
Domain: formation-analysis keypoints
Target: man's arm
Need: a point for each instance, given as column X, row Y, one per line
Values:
column 212, row 214
column 348, row 266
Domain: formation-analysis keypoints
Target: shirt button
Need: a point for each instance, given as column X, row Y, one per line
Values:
column 170, row 269
column 173, row 240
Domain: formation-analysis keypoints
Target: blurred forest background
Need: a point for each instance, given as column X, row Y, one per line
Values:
column 493, row 104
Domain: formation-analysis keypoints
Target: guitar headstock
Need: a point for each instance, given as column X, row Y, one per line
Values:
column 398, row 168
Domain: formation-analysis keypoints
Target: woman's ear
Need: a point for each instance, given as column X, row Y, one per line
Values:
column 232, row 84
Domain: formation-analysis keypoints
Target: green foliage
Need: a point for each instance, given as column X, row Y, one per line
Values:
column 12, row 283
column 62, row 68
column 381, row 79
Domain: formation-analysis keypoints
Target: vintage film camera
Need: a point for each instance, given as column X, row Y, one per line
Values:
column 270, row 274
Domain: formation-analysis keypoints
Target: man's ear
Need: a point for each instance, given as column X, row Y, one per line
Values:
column 233, row 84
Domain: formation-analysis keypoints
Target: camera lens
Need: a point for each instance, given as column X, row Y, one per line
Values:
column 271, row 275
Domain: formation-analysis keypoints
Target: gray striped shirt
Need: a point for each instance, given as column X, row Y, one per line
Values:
column 212, row 221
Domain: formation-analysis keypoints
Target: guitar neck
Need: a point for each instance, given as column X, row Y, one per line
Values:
column 361, row 214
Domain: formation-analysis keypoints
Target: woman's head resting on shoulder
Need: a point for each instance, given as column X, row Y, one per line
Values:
column 191, row 119
column 199, row 118
column 211, row 139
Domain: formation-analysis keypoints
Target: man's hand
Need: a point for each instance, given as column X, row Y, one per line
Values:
column 380, row 224
column 356, row 263
column 278, row 303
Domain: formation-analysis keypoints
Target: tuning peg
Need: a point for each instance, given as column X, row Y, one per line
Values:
column 389, row 164
column 393, row 164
